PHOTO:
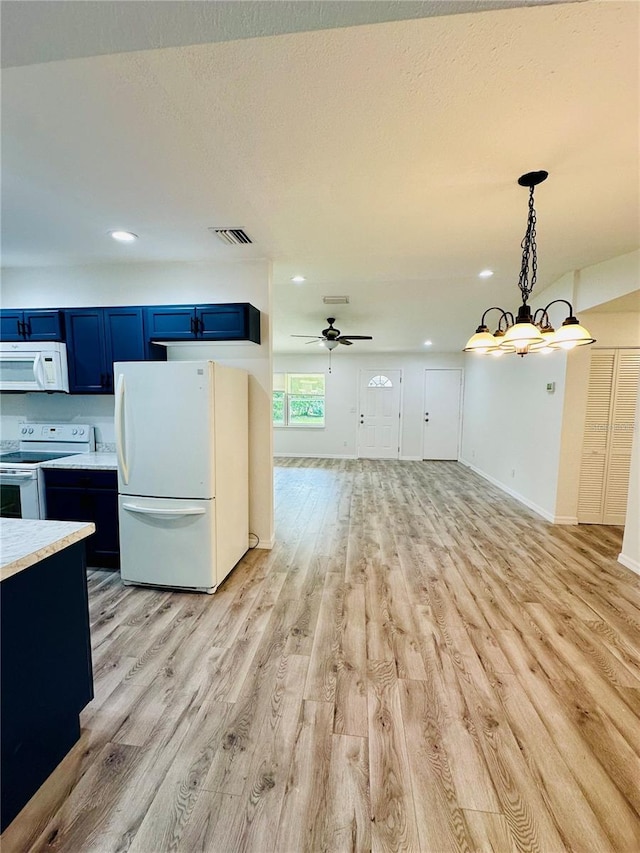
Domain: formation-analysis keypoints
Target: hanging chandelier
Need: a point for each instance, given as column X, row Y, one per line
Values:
column 527, row 332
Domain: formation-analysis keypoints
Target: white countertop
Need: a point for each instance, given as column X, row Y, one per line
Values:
column 24, row 542
column 95, row 461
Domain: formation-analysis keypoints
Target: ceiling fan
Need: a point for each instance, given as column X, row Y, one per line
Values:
column 331, row 337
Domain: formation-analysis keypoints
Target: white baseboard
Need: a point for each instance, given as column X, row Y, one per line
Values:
column 521, row 498
column 315, row 455
column 634, row 565
column 565, row 519
column 264, row 545
column 411, row 458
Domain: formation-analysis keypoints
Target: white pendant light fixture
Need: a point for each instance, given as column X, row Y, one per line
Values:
column 525, row 332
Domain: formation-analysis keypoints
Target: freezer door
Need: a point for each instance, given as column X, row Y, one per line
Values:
column 167, row 542
column 164, row 428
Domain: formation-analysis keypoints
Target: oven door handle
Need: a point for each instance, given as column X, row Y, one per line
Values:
column 38, row 371
column 16, row 475
column 120, row 434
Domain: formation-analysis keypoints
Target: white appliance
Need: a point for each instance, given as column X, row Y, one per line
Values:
column 183, row 472
column 21, row 477
column 33, row 366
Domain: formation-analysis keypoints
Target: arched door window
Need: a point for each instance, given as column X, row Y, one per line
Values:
column 380, row 382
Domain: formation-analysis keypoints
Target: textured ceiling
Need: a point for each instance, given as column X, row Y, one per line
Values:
column 46, row 30
column 379, row 161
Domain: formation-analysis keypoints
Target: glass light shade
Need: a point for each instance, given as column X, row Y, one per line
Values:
column 520, row 337
column 481, row 343
column 570, row 336
column 548, row 337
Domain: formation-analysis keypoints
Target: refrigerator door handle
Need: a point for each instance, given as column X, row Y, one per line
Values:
column 119, row 424
column 164, row 513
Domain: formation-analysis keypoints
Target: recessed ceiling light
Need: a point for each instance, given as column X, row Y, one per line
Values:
column 123, row 236
column 298, row 279
column 485, row 274
column 428, row 343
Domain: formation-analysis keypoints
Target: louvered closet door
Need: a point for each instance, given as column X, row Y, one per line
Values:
column 623, row 408
column 608, row 436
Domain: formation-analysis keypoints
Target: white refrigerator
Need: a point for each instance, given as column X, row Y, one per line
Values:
column 183, row 472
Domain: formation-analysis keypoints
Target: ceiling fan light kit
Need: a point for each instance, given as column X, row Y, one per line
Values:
column 526, row 332
column 331, row 337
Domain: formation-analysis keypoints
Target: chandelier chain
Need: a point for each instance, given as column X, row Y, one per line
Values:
column 529, row 253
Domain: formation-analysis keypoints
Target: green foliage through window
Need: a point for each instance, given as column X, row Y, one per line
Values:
column 298, row 399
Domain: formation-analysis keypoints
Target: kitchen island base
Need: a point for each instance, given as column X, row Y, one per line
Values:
column 46, row 673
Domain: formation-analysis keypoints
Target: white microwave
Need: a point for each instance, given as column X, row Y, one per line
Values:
column 33, row 366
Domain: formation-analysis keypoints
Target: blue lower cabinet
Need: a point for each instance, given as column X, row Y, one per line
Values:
column 87, row 495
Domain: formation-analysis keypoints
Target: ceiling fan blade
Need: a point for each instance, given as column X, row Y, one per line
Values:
column 315, row 337
column 355, row 338
column 314, row 341
column 344, row 341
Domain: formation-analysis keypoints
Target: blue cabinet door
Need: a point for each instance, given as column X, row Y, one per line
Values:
column 221, row 322
column 43, row 325
column 86, row 495
column 34, row 324
column 124, row 338
column 171, row 323
column 11, row 326
column 86, row 351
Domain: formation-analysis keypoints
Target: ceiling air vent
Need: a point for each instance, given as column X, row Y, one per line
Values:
column 231, row 236
column 335, row 300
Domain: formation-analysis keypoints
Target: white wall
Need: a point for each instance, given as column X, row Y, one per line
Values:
column 339, row 436
column 158, row 284
column 511, row 424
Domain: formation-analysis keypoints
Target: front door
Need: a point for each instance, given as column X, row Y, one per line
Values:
column 379, row 414
column 442, row 398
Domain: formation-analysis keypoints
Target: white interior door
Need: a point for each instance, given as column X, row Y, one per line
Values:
column 441, row 428
column 379, row 415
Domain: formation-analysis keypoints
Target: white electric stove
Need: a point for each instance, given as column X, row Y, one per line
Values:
column 21, row 477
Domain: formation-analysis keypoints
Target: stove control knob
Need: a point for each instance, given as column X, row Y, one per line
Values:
column 74, row 432
column 30, row 430
column 81, row 431
column 23, row 430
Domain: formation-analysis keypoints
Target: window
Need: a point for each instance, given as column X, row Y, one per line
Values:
column 298, row 399
column 380, row 382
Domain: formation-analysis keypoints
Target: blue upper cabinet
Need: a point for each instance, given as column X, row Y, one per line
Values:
column 225, row 322
column 32, row 325
column 171, row 322
column 96, row 337
column 86, row 351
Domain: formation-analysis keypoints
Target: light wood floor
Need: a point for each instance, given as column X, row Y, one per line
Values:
column 420, row 664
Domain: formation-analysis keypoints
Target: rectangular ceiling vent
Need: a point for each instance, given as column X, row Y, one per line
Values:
column 335, row 300
column 231, row 236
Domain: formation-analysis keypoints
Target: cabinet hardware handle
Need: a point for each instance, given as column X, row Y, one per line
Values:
column 193, row 325
column 20, row 328
column 27, row 327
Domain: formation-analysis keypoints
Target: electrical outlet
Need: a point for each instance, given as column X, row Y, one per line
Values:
column 344, row 443
column 513, row 472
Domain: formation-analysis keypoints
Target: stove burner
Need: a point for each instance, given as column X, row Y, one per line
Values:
column 25, row 457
